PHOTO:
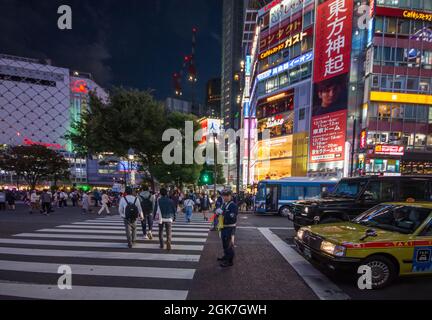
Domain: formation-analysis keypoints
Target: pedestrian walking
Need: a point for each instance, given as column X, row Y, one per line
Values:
column 228, row 212
column 105, row 202
column 189, row 204
column 147, row 205
column 33, row 201
column 10, row 199
column 165, row 213
column 2, row 200
column 130, row 210
column 74, row 198
column 218, row 205
column 46, row 203
column 205, row 206
column 97, row 198
column 85, row 203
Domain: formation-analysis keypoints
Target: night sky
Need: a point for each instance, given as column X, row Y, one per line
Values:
column 133, row 43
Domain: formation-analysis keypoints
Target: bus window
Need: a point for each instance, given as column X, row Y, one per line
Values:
column 287, row 193
column 261, row 194
column 299, row 193
column 313, row 192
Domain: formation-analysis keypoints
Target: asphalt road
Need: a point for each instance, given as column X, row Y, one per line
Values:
column 267, row 266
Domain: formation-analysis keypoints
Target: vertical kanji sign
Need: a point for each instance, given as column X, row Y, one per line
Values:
column 333, row 39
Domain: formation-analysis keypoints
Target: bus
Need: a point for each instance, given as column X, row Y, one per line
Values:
column 277, row 196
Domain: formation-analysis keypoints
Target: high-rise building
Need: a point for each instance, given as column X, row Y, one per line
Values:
column 342, row 91
column 213, row 98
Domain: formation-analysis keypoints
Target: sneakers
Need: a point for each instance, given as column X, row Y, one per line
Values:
column 168, row 246
column 130, row 245
column 150, row 236
column 146, row 237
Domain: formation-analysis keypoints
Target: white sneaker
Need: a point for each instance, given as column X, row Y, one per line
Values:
column 150, row 236
column 145, row 237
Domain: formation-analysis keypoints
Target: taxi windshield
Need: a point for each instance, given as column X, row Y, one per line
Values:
column 398, row 218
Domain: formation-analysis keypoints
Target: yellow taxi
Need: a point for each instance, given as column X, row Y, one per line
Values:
column 392, row 239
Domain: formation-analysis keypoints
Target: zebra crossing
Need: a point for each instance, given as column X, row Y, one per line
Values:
column 102, row 266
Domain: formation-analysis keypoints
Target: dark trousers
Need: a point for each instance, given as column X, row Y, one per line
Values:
column 130, row 231
column 148, row 220
column 228, row 246
column 3, row 206
column 168, row 227
column 46, row 207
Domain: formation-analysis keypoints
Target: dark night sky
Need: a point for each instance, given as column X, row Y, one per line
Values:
column 134, row 43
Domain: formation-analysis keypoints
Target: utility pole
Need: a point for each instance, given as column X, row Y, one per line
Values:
column 215, row 164
column 353, row 147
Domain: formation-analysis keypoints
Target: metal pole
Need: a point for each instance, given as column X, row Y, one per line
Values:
column 238, row 165
column 353, row 147
column 215, row 164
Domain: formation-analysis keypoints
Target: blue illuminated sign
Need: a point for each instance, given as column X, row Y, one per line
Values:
column 286, row 66
column 248, row 65
column 246, row 109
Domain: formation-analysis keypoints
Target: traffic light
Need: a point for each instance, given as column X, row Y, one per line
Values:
column 206, row 178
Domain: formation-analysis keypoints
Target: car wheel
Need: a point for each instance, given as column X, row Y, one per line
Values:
column 383, row 271
column 284, row 211
column 330, row 220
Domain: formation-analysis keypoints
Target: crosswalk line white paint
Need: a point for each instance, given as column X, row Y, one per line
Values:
column 319, row 283
column 99, row 237
column 122, row 228
column 88, row 231
column 111, row 245
column 50, row 292
column 203, row 225
column 96, row 270
column 131, row 255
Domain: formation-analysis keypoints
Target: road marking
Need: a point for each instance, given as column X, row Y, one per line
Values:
column 275, row 228
column 49, row 292
column 203, row 224
column 113, row 224
column 100, row 255
column 99, row 237
column 320, row 284
column 111, row 245
column 108, row 271
column 122, row 228
column 175, row 233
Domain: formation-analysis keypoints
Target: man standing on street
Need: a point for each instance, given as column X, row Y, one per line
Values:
column 46, row 203
column 130, row 210
column 229, row 212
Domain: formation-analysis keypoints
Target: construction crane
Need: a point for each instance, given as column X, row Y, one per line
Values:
column 189, row 66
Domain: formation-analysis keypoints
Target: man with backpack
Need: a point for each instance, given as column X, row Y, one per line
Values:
column 130, row 210
column 147, row 201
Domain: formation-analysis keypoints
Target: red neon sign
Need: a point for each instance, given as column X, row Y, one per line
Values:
column 29, row 142
column 79, row 86
column 389, row 150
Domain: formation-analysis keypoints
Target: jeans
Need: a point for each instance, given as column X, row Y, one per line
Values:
column 188, row 213
column 168, row 227
column 228, row 246
column 148, row 220
column 131, row 231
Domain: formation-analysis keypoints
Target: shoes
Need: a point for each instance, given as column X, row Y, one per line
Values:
column 168, row 246
column 161, row 246
column 226, row 264
column 221, row 259
column 146, row 237
column 150, row 236
column 130, row 245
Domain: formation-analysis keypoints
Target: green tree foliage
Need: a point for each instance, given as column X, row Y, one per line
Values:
column 34, row 164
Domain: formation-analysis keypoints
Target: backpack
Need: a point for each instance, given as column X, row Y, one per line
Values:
column 131, row 211
column 146, row 205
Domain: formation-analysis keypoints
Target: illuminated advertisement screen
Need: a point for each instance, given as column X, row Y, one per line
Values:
column 401, row 13
column 328, row 137
column 279, row 125
column 285, row 10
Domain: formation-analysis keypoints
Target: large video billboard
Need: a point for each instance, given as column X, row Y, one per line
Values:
column 331, row 76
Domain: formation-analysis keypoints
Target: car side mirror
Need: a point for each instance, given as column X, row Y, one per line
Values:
column 369, row 233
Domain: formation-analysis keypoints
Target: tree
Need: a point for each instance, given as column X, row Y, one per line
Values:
column 178, row 174
column 35, row 163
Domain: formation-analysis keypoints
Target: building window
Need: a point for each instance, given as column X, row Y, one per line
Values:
column 302, row 114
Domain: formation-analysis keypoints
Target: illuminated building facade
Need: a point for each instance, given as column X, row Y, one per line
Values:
column 396, row 130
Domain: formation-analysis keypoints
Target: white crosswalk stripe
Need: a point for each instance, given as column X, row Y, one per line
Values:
column 103, row 268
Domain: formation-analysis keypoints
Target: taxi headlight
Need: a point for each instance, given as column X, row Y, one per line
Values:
column 300, row 234
column 333, row 249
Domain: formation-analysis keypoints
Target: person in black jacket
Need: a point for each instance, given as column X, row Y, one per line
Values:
column 229, row 211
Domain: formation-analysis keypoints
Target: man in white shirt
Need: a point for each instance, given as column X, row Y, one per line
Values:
column 105, row 201
column 33, row 201
column 131, row 229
